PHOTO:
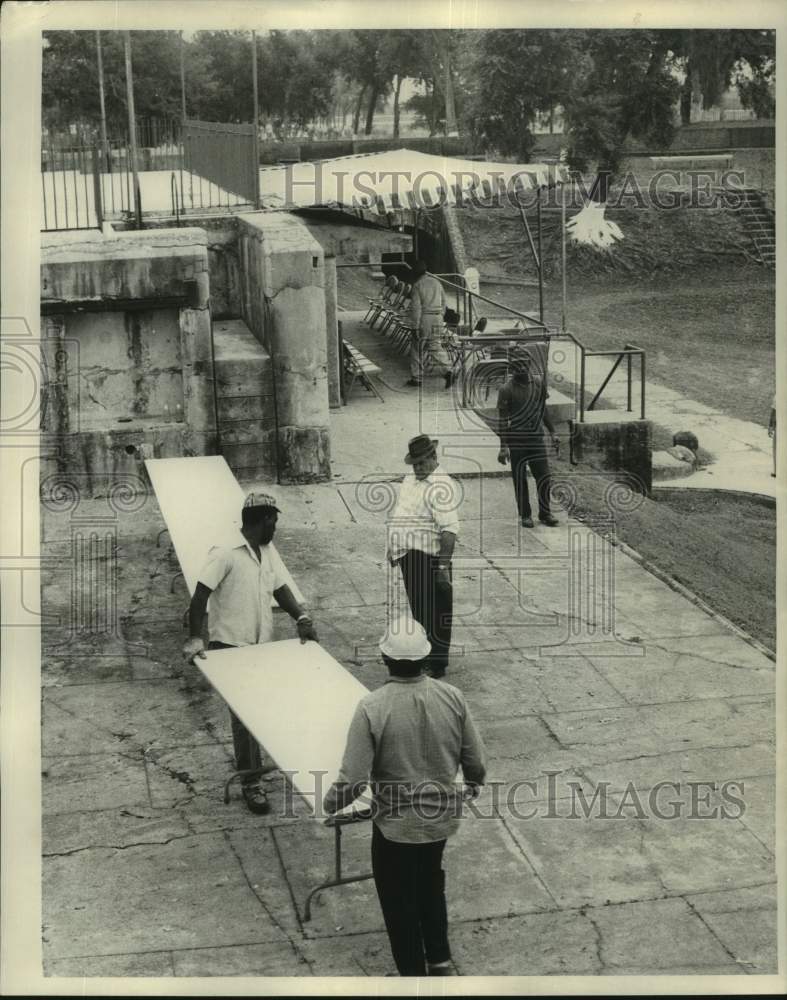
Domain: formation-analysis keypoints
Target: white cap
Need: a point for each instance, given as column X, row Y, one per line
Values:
column 405, row 640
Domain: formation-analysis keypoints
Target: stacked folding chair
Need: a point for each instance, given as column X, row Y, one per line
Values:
column 383, row 301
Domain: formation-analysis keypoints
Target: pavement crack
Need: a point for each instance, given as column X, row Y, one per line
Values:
column 550, row 731
column 265, row 907
column 599, row 941
column 746, row 966
column 117, row 847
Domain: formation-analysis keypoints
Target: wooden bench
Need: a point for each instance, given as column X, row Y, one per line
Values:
column 358, row 366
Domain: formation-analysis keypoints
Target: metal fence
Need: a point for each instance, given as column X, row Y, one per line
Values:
column 83, row 185
column 225, row 156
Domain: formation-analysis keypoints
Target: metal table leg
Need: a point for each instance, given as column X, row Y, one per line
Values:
column 337, row 825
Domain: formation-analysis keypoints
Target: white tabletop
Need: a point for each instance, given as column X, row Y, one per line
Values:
column 296, row 700
column 200, row 501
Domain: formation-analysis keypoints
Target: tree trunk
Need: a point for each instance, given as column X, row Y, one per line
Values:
column 450, row 107
column 357, row 112
column 396, row 106
column 433, row 111
column 370, row 109
column 685, row 100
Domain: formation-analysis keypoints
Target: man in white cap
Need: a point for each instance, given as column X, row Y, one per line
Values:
column 422, row 532
column 240, row 582
column 407, row 740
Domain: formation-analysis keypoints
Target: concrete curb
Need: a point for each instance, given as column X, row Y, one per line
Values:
column 693, row 598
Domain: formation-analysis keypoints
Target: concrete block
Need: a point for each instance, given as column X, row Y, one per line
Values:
column 248, row 432
column 248, row 408
column 611, row 443
column 98, row 459
column 249, row 460
column 304, row 454
column 151, row 264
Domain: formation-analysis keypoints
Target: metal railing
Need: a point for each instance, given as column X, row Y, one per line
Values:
column 465, row 306
column 83, row 185
column 629, row 352
column 71, row 192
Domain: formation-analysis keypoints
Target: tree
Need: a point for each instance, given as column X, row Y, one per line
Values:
column 611, row 85
column 716, row 60
column 518, row 74
column 70, row 91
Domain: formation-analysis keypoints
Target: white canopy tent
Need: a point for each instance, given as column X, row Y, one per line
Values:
column 399, row 179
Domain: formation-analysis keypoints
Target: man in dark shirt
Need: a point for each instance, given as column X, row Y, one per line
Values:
column 522, row 416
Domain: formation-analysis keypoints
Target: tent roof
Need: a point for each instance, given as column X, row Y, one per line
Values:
column 399, row 178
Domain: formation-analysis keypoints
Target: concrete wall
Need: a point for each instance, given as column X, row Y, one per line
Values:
column 127, row 352
column 611, row 444
column 283, row 304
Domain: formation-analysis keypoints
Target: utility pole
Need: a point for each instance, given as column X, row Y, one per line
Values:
column 563, row 248
column 132, row 127
column 104, row 145
column 256, row 119
column 182, row 81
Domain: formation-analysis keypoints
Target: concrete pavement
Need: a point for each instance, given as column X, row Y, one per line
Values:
column 584, row 673
column 741, row 449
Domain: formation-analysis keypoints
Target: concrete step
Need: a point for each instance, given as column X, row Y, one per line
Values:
column 243, row 366
column 244, row 400
column 234, row 408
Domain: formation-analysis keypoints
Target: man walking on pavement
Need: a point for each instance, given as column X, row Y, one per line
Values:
column 408, row 739
column 427, row 305
column 240, row 582
column 421, row 537
column 521, row 409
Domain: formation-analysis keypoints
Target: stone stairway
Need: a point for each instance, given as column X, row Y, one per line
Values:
column 760, row 225
column 244, row 401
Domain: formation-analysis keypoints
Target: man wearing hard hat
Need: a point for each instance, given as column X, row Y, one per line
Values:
column 407, row 740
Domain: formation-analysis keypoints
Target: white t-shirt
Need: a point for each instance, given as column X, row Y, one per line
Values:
column 242, row 588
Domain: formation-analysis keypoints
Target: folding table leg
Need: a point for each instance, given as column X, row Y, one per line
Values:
column 339, row 879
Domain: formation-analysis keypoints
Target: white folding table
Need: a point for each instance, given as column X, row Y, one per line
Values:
column 297, row 700
column 271, row 684
column 200, row 501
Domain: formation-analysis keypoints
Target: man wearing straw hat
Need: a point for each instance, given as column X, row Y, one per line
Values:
column 421, row 536
column 408, row 740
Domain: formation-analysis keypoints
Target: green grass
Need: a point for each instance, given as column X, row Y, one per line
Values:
column 714, row 343
column 721, row 547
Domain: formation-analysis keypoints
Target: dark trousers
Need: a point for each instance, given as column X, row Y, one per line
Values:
column 410, row 885
column 247, row 749
column 431, row 604
column 535, row 457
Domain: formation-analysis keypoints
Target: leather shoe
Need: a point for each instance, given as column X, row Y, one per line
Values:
column 256, row 800
column 441, row 970
column 527, row 522
column 549, row 521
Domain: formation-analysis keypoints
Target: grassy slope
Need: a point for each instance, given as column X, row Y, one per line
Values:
column 722, row 548
column 705, row 321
